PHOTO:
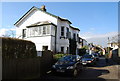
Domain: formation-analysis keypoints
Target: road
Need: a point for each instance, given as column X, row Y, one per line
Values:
column 102, row 71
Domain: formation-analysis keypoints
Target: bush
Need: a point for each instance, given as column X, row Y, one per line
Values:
column 58, row 56
column 107, row 55
column 17, row 48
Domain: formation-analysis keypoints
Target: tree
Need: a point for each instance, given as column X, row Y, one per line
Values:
column 9, row 33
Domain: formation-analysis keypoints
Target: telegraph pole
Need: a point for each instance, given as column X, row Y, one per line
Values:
column 108, row 45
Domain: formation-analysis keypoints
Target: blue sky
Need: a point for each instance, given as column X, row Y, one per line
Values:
column 99, row 17
column 89, row 17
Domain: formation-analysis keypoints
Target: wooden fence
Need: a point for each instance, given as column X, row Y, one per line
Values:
column 29, row 68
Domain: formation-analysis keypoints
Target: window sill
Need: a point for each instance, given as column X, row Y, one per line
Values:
column 62, row 37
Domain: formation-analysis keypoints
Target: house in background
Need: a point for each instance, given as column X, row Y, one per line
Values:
column 113, row 45
column 48, row 31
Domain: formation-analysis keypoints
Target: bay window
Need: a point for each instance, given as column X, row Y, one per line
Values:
column 39, row 31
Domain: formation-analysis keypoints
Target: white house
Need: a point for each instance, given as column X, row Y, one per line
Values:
column 113, row 45
column 47, row 31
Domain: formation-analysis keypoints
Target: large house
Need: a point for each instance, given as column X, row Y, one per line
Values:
column 48, row 31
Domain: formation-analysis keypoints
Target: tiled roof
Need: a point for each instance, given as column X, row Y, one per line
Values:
column 75, row 28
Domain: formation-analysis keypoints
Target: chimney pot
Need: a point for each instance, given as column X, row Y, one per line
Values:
column 43, row 8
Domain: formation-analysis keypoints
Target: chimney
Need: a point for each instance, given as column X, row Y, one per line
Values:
column 43, row 8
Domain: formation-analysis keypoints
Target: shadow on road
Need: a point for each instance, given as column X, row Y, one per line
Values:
column 88, row 74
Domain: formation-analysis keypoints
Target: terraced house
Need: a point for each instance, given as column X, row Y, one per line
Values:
column 48, row 31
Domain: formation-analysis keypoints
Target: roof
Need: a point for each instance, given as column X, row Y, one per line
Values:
column 41, row 24
column 75, row 28
column 62, row 19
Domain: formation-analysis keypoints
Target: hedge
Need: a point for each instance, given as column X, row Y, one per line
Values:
column 17, row 48
column 58, row 56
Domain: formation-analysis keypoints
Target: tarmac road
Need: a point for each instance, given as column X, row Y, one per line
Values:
column 102, row 71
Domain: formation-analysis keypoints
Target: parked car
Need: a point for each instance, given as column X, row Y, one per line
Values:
column 96, row 56
column 88, row 60
column 68, row 64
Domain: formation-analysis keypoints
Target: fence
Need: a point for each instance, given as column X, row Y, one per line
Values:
column 29, row 68
column 21, row 68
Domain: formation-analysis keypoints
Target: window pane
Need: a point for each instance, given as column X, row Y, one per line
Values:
column 32, row 32
column 36, row 31
column 67, row 33
column 40, row 29
column 48, row 29
column 62, row 31
column 24, row 33
column 44, row 30
column 74, row 36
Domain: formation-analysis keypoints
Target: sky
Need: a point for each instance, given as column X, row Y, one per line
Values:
column 94, row 19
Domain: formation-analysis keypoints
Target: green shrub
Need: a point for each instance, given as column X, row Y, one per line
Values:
column 106, row 55
column 58, row 56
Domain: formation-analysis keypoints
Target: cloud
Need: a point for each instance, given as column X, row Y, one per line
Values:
column 100, row 39
column 92, row 29
column 6, row 32
column 88, row 35
column 3, row 31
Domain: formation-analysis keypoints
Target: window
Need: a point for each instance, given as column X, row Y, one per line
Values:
column 67, row 51
column 74, row 36
column 62, row 49
column 44, row 30
column 40, row 29
column 62, row 31
column 77, row 37
column 48, row 30
column 67, row 33
column 24, row 33
column 36, row 31
column 32, row 33
column 44, row 48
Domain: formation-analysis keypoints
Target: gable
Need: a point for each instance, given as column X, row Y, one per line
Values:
column 34, row 8
column 33, row 16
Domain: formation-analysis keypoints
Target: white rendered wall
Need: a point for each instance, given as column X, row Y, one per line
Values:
column 41, row 41
column 37, row 16
column 62, row 42
column 33, row 17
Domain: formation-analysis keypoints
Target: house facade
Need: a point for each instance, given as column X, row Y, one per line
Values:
column 113, row 45
column 48, row 31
